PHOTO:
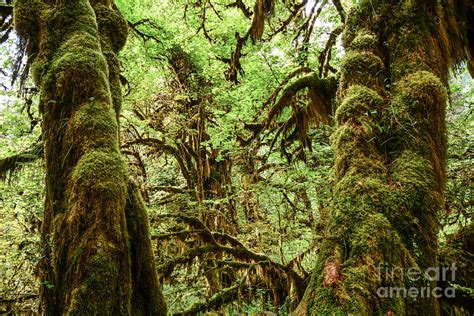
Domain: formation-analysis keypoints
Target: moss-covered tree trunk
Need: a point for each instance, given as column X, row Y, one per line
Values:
column 390, row 157
column 98, row 257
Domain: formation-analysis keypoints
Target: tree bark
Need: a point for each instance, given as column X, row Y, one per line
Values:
column 390, row 148
column 97, row 252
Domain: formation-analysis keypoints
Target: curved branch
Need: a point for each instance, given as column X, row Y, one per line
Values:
column 222, row 297
column 162, row 145
column 9, row 165
column 237, row 249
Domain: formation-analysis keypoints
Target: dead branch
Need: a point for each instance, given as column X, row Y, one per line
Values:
column 181, row 233
column 316, row 109
column 237, row 250
column 162, row 146
column 278, row 89
column 235, row 67
column 263, row 9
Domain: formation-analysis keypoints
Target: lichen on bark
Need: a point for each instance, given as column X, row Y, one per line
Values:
column 97, row 253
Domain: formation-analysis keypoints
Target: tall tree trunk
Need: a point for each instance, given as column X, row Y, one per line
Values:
column 98, row 256
column 390, row 151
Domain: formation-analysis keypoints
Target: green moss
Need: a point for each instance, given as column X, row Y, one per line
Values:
column 414, row 173
column 327, row 304
column 359, row 104
column 386, row 198
column 145, row 298
column 97, row 284
column 113, row 27
column 38, row 70
column 85, row 229
column 374, row 236
column 100, row 169
column 26, row 18
column 364, row 41
column 365, row 61
column 418, row 108
column 422, row 91
column 94, row 126
column 362, row 68
column 356, row 151
column 361, row 17
column 360, row 279
column 78, row 16
column 78, row 75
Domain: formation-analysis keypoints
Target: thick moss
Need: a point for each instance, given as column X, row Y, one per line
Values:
column 113, row 30
column 414, row 173
column 364, row 41
column 147, row 299
column 390, row 153
column 361, row 19
column 97, row 166
column 26, row 15
column 112, row 26
column 93, row 126
column 422, row 91
column 359, row 103
column 356, row 151
column 418, row 110
column 98, row 286
column 361, row 60
column 94, row 267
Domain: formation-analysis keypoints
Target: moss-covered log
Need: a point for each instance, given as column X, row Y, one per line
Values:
column 390, row 157
column 98, row 257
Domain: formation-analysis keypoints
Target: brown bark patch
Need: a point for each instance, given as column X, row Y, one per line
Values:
column 331, row 272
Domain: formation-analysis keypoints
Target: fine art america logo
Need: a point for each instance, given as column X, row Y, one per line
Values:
column 426, row 281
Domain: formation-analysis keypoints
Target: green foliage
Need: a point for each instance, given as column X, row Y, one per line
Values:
column 20, row 220
column 179, row 135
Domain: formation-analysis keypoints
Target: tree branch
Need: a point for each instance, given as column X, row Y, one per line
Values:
column 13, row 163
column 220, row 298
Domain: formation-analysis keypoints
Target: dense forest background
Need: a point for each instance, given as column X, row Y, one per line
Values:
column 231, row 148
